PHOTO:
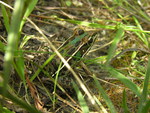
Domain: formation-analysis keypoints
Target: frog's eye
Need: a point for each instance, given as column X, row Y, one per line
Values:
column 80, row 31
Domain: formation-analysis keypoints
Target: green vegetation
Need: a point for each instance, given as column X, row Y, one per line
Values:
column 74, row 56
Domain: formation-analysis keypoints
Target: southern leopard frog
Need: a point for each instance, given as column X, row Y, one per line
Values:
column 76, row 46
column 73, row 50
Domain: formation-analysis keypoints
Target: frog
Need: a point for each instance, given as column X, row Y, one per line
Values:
column 73, row 50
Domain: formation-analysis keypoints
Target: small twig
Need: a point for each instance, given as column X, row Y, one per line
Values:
column 127, row 50
column 68, row 103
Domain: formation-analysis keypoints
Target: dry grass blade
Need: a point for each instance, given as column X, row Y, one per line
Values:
column 68, row 103
column 34, row 94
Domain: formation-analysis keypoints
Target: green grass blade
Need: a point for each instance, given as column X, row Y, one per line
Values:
column 124, row 80
column 5, row 110
column 30, row 4
column 55, row 84
column 19, row 65
column 88, row 24
column 117, row 38
column 100, row 104
column 12, row 40
column 41, row 67
column 81, row 99
column 2, row 47
column 96, row 25
column 5, row 18
column 25, row 40
column 105, row 96
column 124, row 103
column 141, row 35
column 146, row 108
column 144, row 96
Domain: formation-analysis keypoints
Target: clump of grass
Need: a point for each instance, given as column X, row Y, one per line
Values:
column 21, row 11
